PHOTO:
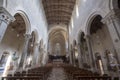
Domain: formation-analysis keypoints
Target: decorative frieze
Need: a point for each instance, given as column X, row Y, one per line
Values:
column 6, row 16
column 112, row 15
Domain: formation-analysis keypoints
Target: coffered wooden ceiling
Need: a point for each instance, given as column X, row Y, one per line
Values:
column 58, row 11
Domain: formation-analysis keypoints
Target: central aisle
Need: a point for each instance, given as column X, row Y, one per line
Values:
column 57, row 74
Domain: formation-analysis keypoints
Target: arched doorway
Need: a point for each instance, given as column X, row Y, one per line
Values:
column 84, row 51
column 101, row 41
column 13, row 40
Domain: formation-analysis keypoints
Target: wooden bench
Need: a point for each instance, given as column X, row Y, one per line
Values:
column 22, row 78
column 93, row 78
column 39, row 73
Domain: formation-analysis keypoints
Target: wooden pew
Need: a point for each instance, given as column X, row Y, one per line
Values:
column 22, row 78
column 39, row 73
column 93, row 78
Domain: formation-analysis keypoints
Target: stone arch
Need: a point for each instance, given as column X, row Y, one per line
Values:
column 89, row 21
column 54, row 28
column 17, row 31
column 35, row 32
column 26, row 19
column 114, row 4
column 57, row 35
column 97, row 30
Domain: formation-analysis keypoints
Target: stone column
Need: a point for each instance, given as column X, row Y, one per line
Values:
column 5, row 19
column 79, row 56
column 91, row 55
column 74, row 57
column 24, row 53
column 70, row 55
column 41, row 52
column 112, row 21
column 36, row 55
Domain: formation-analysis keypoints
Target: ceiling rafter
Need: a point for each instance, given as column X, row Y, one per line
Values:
column 65, row 16
column 63, row 1
column 58, row 11
column 59, row 18
column 58, row 21
column 60, row 6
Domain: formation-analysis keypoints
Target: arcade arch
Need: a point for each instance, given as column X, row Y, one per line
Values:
column 101, row 41
column 14, row 40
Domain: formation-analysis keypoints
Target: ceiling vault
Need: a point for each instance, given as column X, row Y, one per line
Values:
column 58, row 11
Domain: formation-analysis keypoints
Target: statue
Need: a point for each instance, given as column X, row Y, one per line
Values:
column 15, row 58
column 112, row 60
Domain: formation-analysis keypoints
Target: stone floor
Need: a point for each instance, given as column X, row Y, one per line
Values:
column 57, row 74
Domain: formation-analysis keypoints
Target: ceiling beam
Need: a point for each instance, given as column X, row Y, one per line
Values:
column 58, row 6
column 58, row 10
column 58, row 22
column 63, row 16
column 59, row 18
column 63, row 1
column 58, row 3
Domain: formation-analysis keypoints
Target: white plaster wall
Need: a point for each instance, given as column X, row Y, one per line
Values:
column 11, row 43
column 34, row 11
column 86, row 9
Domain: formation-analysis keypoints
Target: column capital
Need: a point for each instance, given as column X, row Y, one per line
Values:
column 113, row 14
column 6, row 16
